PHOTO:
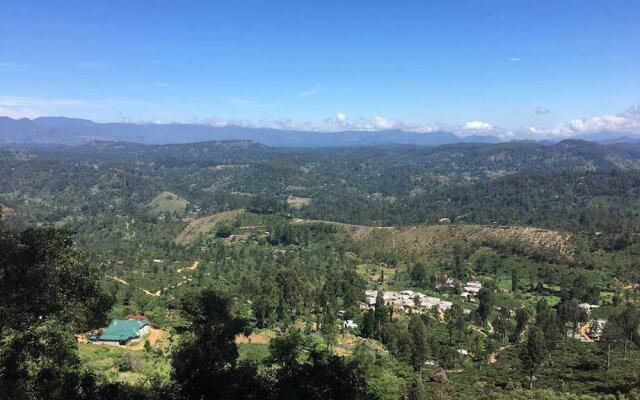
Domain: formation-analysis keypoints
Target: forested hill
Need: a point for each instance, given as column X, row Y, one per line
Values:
column 285, row 242
column 559, row 186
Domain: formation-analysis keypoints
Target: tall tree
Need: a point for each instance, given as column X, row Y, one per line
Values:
column 455, row 321
column 547, row 322
column 380, row 314
column 533, row 352
column 502, row 325
column 418, row 342
column 486, row 299
column 515, row 280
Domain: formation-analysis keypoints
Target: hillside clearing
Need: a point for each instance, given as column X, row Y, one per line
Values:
column 298, row 202
column 168, row 202
column 200, row 226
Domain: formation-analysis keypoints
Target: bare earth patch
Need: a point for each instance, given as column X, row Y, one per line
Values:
column 254, row 338
column 298, row 202
column 154, row 337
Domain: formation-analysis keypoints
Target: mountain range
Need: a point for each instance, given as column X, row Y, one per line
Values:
column 74, row 131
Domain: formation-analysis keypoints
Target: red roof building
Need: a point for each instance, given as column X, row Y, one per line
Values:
column 136, row 317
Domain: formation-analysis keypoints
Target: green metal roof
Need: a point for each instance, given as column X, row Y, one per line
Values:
column 121, row 330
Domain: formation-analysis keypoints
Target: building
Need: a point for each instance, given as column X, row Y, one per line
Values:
column 406, row 300
column 122, row 331
column 136, row 317
column 586, row 307
column 444, row 282
column 471, row 290
column 349, row 324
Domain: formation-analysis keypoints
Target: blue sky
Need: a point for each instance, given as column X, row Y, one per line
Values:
column 560, row 67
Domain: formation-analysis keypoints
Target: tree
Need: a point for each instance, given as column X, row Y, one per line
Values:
column 329, row 329
column 455, row 321
column 47, row 291
column 533, row 352
column 515, row 280
column 547, row 322
column 486, row 299
column 223, row 230
column 612, row 333
column 416, row 390
column 204, row 365
column 418, row 342
column 380, row 314
column 368, row 324
column 45, row 277
column 522, row 317
column 419, row 275
column 502, row 324
column 323, row 376
column 569, row 312
column 628, row 320
column 286, row 349
column 142, row 302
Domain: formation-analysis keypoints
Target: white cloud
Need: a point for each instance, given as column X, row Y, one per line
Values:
column 384, row 123
column 514, row 59
column 160, row 84
column 628, row 121
column 311, row 91
column 560, row 131
column 339, row 120
column 18, row 112
column 478, row 126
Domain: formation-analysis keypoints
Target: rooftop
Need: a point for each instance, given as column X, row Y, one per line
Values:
column 123, row 329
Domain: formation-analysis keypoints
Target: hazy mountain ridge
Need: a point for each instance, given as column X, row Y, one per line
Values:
column 72, row 131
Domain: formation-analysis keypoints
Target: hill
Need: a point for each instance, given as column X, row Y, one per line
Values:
column 60, row 130
column 446, row 240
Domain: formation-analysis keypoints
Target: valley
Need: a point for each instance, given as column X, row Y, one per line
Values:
column 427, row 262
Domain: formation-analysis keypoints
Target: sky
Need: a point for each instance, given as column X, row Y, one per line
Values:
column 511, row 67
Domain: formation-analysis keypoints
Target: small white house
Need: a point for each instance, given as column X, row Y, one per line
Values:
column 349, row 324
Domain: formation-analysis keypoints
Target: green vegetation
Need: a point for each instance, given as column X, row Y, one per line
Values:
column 255, row 293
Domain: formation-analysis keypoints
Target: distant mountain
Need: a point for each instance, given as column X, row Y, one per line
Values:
column 607, row 137
column 73, row 131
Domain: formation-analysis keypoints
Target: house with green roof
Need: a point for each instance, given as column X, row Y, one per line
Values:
column 121, row 331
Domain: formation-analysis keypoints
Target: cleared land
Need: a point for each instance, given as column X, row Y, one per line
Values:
column 168, row 202
column 298, row 202
column 200, row 226
column 431, row 240
column 441, row 239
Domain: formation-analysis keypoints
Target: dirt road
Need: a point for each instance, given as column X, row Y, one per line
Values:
column 191, row 268
column 154, row 336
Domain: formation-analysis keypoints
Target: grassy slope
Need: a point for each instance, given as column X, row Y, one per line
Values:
column 168, row 202
column 191, row 233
